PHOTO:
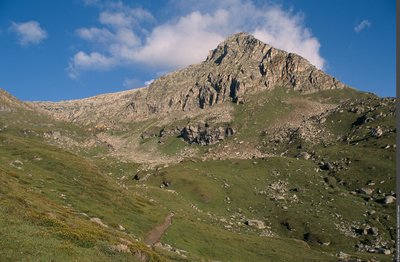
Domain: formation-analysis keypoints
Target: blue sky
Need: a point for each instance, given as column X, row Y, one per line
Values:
column 68, row 49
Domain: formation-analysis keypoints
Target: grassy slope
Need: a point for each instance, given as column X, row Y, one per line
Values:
column 315, row 213
column 324, row 194
column 38, row 222
column 47, row 196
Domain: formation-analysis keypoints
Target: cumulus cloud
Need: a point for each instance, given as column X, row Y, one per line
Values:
column 286, row 31
column 28, row 33
column 186, row 41
column 362, row 25
column 187, row 38
column 92, row 61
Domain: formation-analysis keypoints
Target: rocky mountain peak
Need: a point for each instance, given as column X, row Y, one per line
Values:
column 241, row 42
column 238, row 66
column 237, row 44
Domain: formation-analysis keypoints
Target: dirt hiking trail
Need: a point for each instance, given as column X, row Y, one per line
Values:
column 157, row 232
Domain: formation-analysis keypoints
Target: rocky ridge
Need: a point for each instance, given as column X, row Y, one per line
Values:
column 239, row 65
column 8, row 103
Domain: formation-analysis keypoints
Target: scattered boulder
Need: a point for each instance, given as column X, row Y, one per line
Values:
column 376, row 131
column 343, row 255
column 389, row 200
column 326, row 166
column 180, row 252
column 357, row 110
column 384, row 251
column 373, row 231
column 368, row 230
column 18, row 164
column 380, row 250
column 98, row 221
column 304, row 155
column 141, row 176
column 166, row 183
column 229, row 131
column 370, row 183
column 255, row 223
column 366, row 191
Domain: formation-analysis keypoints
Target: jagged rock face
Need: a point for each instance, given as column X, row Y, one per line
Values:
column 200, row 133
column 203, row 134
column 239, row 65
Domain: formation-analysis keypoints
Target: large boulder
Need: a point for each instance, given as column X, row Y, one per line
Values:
column 389, row 200
column 255, row 223
column 366, row 191
column 203, row 134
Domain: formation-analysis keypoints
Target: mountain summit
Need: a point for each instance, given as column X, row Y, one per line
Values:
column 269, row 67
column 239, row 65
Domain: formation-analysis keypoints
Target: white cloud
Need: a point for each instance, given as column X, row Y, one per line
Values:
column 186, row 39
column 123, row 16
column 362, row 25
column 29, row 33
column 93, row 61
column 103, row 36
column 126, row 37
column 148, row 82
column 115, row 19
column 95, row 35
column 286, row 31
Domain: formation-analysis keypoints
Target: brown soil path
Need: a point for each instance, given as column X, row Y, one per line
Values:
column 156, row 233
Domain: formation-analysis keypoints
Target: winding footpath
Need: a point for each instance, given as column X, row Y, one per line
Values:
column 157, row 232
